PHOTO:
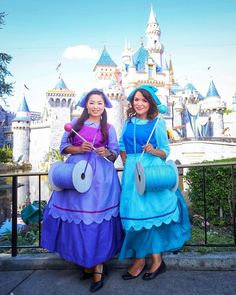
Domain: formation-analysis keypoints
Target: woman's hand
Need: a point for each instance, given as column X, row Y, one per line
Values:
column 148, row 148
column 102, row 151
column 85, row 147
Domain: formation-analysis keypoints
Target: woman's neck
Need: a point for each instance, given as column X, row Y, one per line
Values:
column 94, row 119
column 141, row 117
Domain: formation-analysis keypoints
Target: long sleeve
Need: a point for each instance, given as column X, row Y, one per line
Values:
column 121, row 141
column 161, row 137
column 64, row 140
column 113, row 142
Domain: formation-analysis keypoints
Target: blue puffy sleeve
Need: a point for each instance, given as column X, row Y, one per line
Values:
column 121, row 141
column 161, row 137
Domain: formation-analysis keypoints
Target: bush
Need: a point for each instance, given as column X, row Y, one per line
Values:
column 218, row 192
column 6, row 154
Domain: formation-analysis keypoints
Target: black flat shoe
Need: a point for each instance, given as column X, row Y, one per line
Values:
column 151, row 275
column 128, row 276
column 86, row 275
column 95, row 286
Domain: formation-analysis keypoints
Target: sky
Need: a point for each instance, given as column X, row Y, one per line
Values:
column 40, row 35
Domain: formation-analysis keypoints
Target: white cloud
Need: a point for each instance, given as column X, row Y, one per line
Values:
column 80, row 52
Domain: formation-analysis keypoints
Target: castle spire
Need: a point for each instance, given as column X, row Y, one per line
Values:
column 212, row 91
column 153, row 34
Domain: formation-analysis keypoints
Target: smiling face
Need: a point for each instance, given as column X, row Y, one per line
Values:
column 95, row 106
column 140, row 105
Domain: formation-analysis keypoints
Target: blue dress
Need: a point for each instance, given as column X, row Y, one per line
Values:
column 154, row 222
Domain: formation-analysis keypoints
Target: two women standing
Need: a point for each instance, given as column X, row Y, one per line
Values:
column 85, row 228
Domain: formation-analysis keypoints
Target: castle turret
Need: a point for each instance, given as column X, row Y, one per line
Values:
column 214, row 107
column 153, row 34
column 105, row 69
column 60, row 102
column 21, row 133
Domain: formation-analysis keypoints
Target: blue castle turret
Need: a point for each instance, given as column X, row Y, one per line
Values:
column 21, row 133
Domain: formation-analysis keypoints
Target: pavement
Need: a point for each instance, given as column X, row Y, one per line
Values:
column 187, row 273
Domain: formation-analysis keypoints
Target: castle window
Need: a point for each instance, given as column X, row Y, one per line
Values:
column 57, row 102
column 51, row 102
column 63, row 103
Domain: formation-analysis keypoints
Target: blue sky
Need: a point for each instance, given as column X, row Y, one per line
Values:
column 41, row 34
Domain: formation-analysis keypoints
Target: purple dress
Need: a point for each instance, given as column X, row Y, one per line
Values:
column 85, row 228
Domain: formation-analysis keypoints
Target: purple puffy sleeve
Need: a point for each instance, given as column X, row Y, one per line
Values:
column 64, row 140
column 113, row 142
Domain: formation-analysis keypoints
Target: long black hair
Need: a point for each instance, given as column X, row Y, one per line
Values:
column 85, row 115
column 153, row 110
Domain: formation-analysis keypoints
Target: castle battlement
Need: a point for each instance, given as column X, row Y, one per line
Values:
column 40, row 124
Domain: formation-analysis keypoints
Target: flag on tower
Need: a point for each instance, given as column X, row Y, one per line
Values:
column 58, row 67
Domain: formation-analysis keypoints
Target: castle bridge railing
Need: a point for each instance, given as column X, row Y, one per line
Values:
column 14, row 246
column 210, row 139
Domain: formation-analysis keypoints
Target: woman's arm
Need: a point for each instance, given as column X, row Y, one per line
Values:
column 162, row 150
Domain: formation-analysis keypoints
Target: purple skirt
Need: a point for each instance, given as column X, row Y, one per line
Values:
column 85, row 245
column 85, row 228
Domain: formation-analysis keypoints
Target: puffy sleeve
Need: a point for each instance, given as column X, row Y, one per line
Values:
column 64, row 140
column 112, row 141
column 161, row 137
column 121, row 141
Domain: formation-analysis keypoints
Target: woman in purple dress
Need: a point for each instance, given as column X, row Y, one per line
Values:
column 85, row 228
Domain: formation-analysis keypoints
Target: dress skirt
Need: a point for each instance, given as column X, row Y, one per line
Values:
column 155, row 222
column 85, row 228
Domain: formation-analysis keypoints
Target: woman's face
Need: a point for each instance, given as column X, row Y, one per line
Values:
column 95, row 106
column 141, row 105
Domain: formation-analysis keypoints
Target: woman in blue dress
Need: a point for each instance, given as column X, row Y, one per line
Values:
column 85, row 227
column 156, row 221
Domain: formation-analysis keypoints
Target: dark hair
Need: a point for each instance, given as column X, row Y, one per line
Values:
column 85, row 115
column 153, row 110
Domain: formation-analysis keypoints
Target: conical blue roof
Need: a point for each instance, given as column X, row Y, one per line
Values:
column 23, row 113
column 140, row 59
column 212, row 90
column 23, row 106
column 60, row 85
column 200, row 97
column 105, row 60
column 175, row 88
column 190, row 87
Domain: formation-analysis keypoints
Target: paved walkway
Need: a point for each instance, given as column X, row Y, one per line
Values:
column 187, row 273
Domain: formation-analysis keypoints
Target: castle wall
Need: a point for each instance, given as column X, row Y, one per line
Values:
column 197, row 151
column 39, row 144
column 59, row 117
column 218, row 124
column 21, row 136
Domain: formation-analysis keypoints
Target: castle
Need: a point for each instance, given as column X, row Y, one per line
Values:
column 190, row 115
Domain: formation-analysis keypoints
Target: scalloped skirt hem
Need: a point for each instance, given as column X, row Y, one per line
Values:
column 166, row 238
column 84, row 245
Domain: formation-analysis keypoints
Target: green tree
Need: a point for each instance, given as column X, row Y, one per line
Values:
column 6, row 88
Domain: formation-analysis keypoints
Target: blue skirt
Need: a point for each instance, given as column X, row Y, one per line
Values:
column 164, row 238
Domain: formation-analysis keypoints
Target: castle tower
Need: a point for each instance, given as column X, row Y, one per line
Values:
column 126, row 55
column 153, row 34
column 105, row 69
column 21, row 133
column 60, row 103
column 214, row 107
column 110, row 79
column 171, row 72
